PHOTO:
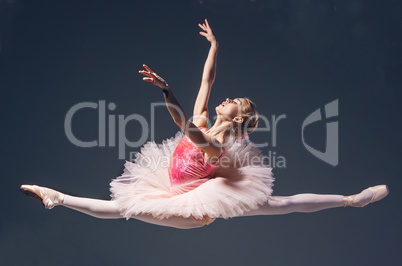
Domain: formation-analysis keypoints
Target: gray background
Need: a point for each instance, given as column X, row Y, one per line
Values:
column 291, row 57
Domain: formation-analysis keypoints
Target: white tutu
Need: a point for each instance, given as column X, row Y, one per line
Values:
column 144, row 187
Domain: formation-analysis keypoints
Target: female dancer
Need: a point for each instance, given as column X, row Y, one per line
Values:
column 212, row 173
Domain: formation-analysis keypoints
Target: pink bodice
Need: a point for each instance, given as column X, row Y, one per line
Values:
column 188, row 167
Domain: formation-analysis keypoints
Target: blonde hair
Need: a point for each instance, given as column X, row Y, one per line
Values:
column 250, row 118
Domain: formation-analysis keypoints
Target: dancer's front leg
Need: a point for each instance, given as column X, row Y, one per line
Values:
column 308, row 202
column 297, row 203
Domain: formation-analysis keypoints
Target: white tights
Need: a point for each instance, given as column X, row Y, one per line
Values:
column 108, row 209
column 306, row 202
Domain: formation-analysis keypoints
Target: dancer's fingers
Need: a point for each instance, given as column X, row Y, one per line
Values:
column 148, row 79
column 203, row 33
column 201, row 26
column 147, row 68
column 145, row 73
column 206, row 22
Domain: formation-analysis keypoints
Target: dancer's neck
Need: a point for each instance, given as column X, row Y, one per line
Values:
column 221, row 130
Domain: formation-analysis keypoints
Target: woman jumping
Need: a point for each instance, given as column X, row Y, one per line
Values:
column 211, row 172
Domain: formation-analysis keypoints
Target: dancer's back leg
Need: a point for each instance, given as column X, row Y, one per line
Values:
column 104, row 209
column 109, row 209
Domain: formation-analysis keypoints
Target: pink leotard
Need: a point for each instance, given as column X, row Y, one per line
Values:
column 188, row 167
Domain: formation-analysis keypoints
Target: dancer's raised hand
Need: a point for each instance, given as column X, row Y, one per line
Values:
column 153, row 77
column 208, row 31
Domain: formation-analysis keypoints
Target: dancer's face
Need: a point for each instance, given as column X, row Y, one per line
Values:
column 230, row 109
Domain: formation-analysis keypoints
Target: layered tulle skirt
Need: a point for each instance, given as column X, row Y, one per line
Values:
column 242, row 182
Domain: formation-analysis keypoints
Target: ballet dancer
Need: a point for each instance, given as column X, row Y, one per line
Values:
column 211, row 171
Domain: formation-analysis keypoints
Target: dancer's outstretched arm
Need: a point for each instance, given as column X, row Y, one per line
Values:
column 207, row 143
column 200, row 113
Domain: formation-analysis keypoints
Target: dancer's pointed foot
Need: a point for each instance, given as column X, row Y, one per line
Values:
column 49, row 197
column 367, row 196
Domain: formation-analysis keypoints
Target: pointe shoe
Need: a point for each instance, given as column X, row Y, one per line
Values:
column 379, row 192
column 49, row 197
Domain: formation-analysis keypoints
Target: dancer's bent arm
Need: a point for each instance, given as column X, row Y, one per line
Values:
column 200, row 112
column 209, row 145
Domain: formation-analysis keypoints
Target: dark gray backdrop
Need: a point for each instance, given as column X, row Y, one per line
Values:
column 291, row 57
